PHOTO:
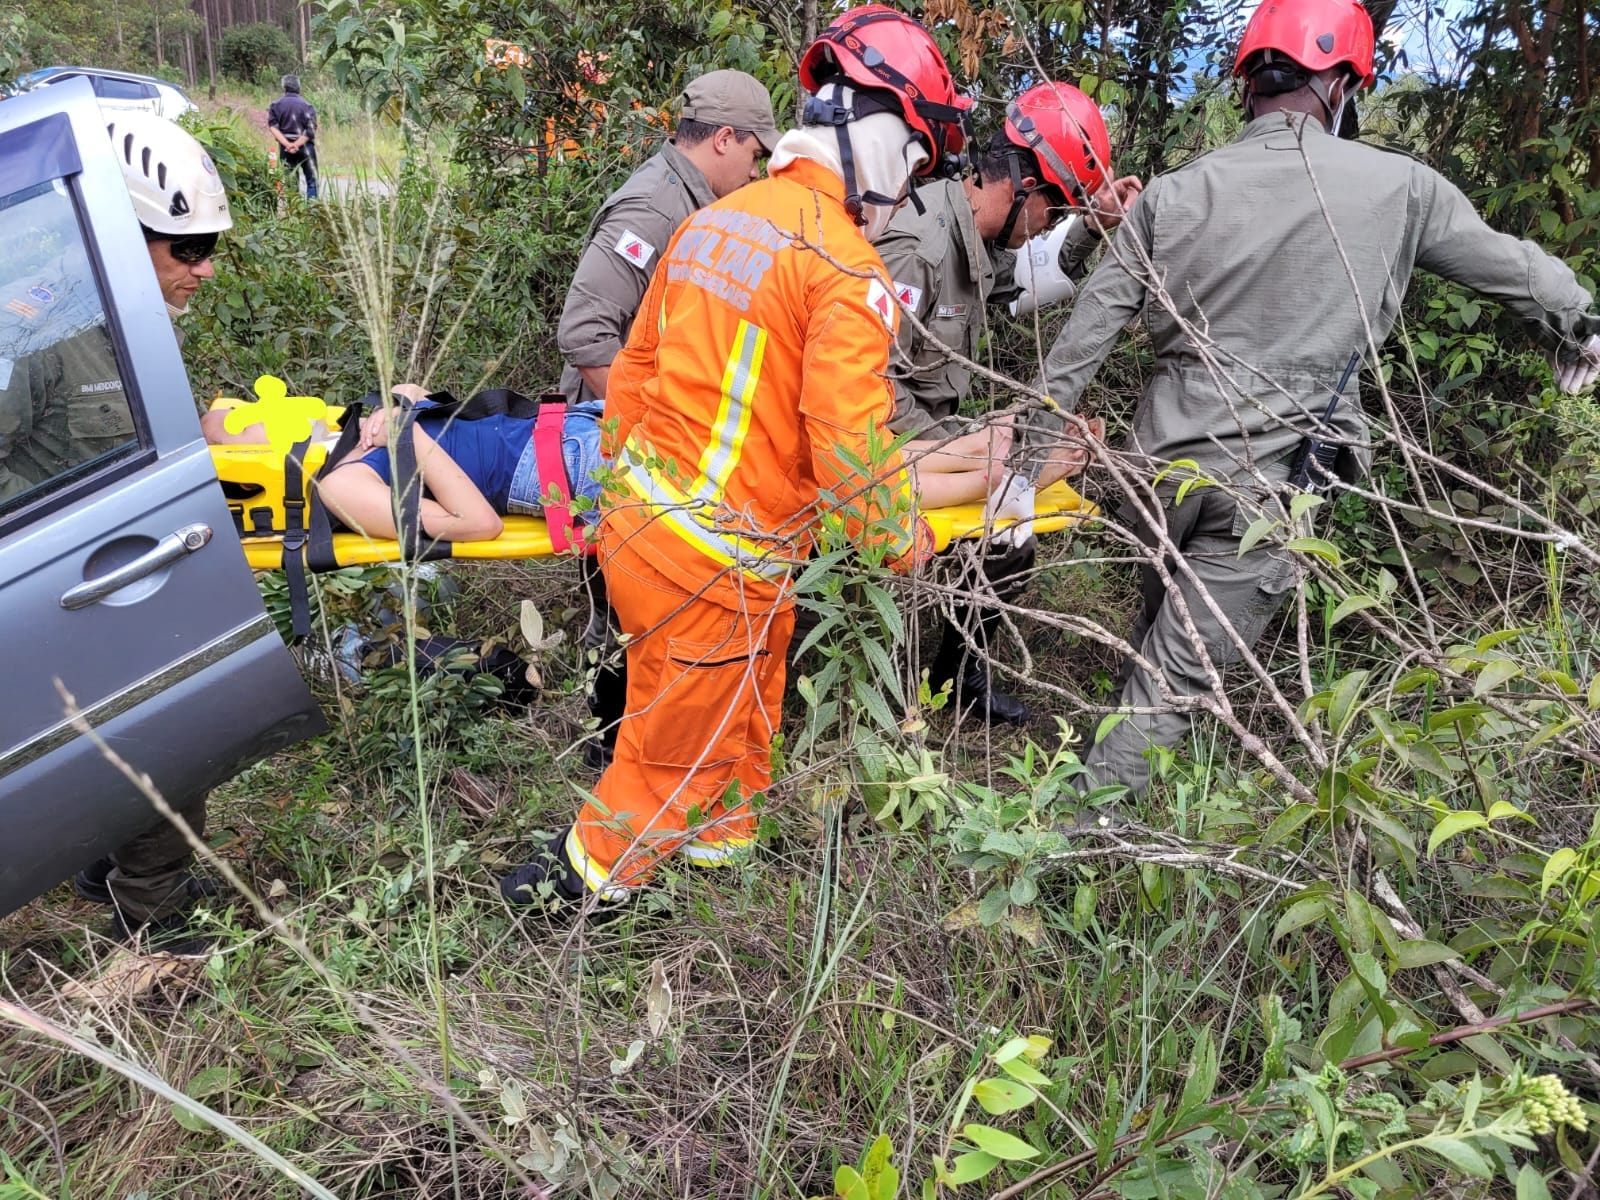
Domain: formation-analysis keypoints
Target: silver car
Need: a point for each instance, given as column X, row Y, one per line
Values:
column 121, row 580
column 117, row 90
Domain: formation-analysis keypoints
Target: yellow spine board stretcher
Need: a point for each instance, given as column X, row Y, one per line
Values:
column 289, row 420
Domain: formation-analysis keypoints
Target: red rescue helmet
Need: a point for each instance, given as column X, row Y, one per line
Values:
column 1066, row 133
column 878, row 48
column 1317, row 34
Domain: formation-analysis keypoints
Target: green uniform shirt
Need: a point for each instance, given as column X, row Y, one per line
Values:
column 945, row 274
column 60, row 405
column 620, row 251
column 1241, row 243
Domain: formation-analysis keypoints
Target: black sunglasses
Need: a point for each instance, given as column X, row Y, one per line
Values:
column 191, row 249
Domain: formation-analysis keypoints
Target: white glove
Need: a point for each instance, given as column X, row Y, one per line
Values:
column 1580, row 371
column 1011, row 498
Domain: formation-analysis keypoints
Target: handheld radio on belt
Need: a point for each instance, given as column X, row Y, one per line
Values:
column 1314, row 449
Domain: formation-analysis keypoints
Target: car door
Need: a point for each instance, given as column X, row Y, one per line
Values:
column 127, row 599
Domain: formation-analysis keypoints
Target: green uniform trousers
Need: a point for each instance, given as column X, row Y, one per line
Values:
column 1206, row 528
column 150, row 874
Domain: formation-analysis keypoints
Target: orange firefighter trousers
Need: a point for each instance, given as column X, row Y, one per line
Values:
column 705, row 690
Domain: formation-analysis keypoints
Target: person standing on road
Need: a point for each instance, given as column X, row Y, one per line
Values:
column 1256, row 306
column 751, row 405
column 725, row 130
column 949, row 261
column 292, row 121
column 63, row 405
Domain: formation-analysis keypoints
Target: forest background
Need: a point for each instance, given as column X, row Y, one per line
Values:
column 1353, row 952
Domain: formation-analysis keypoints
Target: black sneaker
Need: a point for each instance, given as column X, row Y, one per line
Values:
column 90, row 884
column 171, row 934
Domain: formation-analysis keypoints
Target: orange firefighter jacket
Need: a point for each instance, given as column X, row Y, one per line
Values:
column 754, row 385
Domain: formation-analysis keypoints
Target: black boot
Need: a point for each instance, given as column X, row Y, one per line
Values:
column 171, row 934
column 608, row 686
column 551, row 866
column 90, row 884
column 1006, row 574
column 608, row 699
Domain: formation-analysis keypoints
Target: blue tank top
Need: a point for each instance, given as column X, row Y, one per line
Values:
column 491, row 449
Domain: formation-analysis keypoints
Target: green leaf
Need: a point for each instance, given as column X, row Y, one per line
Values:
column 848, row 1185
column 1594, row 693
column 1349, row 606
column 1531, row 1184
column 190, row 1121
column 1107, row 723
column 515, row 83
column 1423, row 953
column 998, row 1142
column 1460, row 1155
column 1452, row 824
column 1202, row 1079
column 1013, row 1048
column 873, row 1164
column 1287, row 822
column 1024, row 891
column 972, row 1166
column 1301, row 503
column 994, row 905
column 1001, row 1096
column 212, row 1081
column 1346, row 694
column 1555, row 867
column 1259, row 528
column 1497, row 672
column 1320, row 547
column 1024, row 1071
column 1299, row 914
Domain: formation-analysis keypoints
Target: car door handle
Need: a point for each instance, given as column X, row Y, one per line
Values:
column 167, row 551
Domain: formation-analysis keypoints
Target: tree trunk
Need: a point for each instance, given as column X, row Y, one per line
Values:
column 211, row 64
column 808, row 34
column 155, row 11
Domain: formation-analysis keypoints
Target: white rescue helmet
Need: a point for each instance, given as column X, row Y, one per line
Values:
column 170, row 176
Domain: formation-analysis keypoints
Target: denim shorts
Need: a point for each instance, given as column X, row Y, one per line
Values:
column 580, row 453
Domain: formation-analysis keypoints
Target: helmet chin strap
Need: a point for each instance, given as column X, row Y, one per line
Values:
column 825, row 112
column 1324, row 97
column 1019, row 198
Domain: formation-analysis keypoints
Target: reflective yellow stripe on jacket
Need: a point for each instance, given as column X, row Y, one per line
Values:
column 690, row 513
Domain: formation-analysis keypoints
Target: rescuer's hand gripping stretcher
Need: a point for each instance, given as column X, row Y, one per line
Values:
column 283, row 521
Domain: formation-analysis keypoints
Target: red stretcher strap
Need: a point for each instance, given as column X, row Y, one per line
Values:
column 553, row 475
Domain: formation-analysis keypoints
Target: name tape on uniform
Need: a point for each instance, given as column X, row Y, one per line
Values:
column 633, row 248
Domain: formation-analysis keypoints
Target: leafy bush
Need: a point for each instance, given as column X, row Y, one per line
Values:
column 250, row 52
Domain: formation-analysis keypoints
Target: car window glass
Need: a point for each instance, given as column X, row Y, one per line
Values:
column 118, row 89
column 63, row 410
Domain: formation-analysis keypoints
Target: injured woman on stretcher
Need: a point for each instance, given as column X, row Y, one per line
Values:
column 472, row 472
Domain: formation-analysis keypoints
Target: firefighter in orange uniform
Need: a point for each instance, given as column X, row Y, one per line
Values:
column 754, row 378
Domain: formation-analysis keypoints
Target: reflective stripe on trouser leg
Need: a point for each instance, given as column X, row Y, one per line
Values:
column 595, row 877
column 705, row 684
